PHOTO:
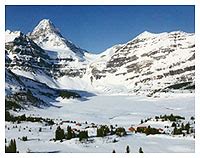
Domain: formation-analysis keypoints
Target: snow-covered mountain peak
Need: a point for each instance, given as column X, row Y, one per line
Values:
column 146, row 34
column 44, row 23
column 46, row 26
column 8, row 32
column 47, row 36
column 10, row 36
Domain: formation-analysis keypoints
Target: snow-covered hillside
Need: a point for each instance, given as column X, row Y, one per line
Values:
column 150, row 63
column 25, row 58
column 30, row 93
column 118, row 111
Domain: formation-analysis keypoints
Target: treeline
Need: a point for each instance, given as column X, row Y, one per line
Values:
column 11, row 118
column 102, row 131
column 67, row 94
column 182, row 129
column 11, row 105
column 171, row 117
column 61, row 135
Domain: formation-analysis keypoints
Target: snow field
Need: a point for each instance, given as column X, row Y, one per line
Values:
column 123, row 111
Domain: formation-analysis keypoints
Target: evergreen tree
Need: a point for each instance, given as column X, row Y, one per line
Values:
column 40, row 129
column 69, row 133
column 11, row 148
column 120, row 131
column 173, row 124
column 140, row 150
column 192, row 118
column 114, row 151
column 111, row 127
column 187, row 127
column 24, row 138
column 23, row 117
column 127, row 149
column 102, row 131
column 59, row 134
column 14, row 146
column 83, row 135
column 114, row 141
column 182, row 126
column 177, row 131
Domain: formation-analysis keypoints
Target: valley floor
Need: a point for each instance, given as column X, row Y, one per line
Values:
column 123, row 111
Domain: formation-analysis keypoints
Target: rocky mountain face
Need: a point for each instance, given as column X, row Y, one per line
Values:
column 148, row 64
column 27, row 92
column 24, row 57
column 30, row 72
column 47, row 36
column 67, row 58
column 24, row 53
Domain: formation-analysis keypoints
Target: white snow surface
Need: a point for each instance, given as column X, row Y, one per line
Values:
column 10, row 36
column 125, row 111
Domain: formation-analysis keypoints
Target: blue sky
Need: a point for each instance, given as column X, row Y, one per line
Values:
column 96, row 28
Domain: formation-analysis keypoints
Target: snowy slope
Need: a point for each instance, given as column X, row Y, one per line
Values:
column 26, row 58
column 149, row 62
column 29, row 79
column 124, row 111
column 28, row 92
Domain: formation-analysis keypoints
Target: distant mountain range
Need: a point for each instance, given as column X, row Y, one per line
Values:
column 43, row 63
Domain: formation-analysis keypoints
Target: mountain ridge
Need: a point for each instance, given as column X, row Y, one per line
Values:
column 149, row 64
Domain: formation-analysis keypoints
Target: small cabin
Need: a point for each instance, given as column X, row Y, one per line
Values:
column 78, row 124
column 132, row 129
